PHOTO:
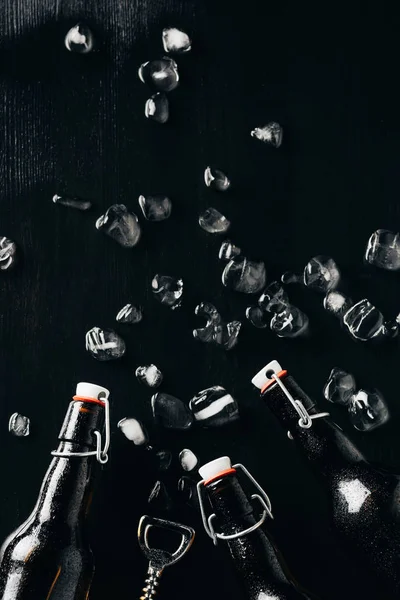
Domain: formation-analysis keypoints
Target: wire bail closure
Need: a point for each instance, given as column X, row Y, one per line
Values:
column 100, row 453
column 262, row 498
column 306, row 420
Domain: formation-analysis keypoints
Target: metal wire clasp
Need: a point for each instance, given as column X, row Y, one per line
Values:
column 263, row 500
column 305, row 420
column 100, row 453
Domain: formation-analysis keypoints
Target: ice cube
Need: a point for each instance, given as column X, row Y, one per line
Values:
column 257, row 317
column 289, row 323
column 150, row 375
column 227, row 334
column 170, row 412
column 243, row 275
column 134, row 431
column 216, row 330
column 72, row 202
column 271, row 134
column 104, row 344
column 212, row 221
column 188, row 459
column 79, row 39
column 129, row 314
column 157, row 108
column 159, row 497
column 168, row 290
column 214, row 407
column 216, row 179
column 340, row 387
column 121, row 225
column 164, row 459
column 363, row 321
column 321, row 274
column 160, row 74
column 337, row 303
column 274, row 298
column 155, row 208
column 8, row 250
column 19, row 425
column 228, row 251
column 383, row 250
column 368, row 410
column 175, row 40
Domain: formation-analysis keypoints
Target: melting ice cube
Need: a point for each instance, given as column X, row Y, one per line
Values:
column 212, row 221
column 164, row 459
column 289, row 323
column 337, row 303
column 159, row 497
column 363, row 321
column 155, row 208
column 129, row 314
column 121, row 225
column 77, row 203
column 383, row 250
column 161, row 74
column 157, row 108
column 271, row 134
column 368, row 410
column 321, row 274
column 79, row 39
column 19, row 425
column 257, row 317
column 134, row 431
column 243, row 275
column 228, row 251
column 8, row 251
column 214, row 407
column 340, row 387
column 149, row 375
column 216, row 179
column 274, row 298
column 168, row 290
column 170, row 412
column 175, row 40
column 188, row 459
column 104, row 344
column 216, row 330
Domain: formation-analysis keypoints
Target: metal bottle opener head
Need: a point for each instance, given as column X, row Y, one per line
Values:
column 159, row 558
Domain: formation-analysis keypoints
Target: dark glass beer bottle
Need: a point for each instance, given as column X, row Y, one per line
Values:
column 255, row 559
column 365, row 501
column 48, row 557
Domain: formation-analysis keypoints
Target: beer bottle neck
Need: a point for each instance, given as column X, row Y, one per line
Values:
column 324, row 443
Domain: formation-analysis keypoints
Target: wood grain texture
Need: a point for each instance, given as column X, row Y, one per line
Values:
column 76, row 124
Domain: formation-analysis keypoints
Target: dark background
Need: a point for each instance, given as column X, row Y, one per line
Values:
column 328, row 73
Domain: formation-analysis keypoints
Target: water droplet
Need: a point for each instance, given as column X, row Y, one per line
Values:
column 274, row 298
column 363, row 321
column 104, row 344
column 8, row 250
column 155, row 208
column 340, row 387
column 159, row 497
column 79, row 39
column 170, row 412
column 74, row 202
column 175, row 40
column 212, row 221
column 337, row 303
column 271, row 134
column 383, row 250
column 368, row 410
column 161, row 74
column 134, row 431
column 121, row 225
column 164, row 459
column 168, row 290
column 289, row 323
column 228, row 251
column 214, row 407
column 19, row 425
column 216, row 179
column 257, row 317
column 188, row 459
column 243, row 275
column 150, row 375
column 129, row 314
column 157, row 108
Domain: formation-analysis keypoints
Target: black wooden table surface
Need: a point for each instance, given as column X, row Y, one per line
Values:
column 72, row 123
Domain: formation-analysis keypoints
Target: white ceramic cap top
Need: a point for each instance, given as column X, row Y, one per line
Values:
column 261, row 378
column 91, row 390
column 211, row 469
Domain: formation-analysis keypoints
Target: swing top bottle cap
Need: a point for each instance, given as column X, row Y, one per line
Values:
column 261, row 380
column 216, row 467
column 92, row 390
